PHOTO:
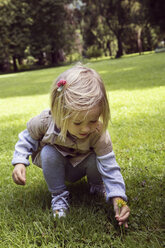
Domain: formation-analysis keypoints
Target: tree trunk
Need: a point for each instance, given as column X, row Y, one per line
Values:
column 40, row 59
column 20, row 60
column 139, row 41
column 120, row 46
column 105, row 51
column 6, row 64
column 15, row 64
column 57, row 56
column 109, row 48
column 54, row 58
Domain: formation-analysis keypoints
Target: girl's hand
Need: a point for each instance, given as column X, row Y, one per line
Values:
column 121, row 213
column 19, row 174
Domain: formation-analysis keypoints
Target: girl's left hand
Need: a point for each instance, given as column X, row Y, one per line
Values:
column 121, row 214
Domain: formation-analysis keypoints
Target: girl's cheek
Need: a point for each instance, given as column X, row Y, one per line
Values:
column 95, row 125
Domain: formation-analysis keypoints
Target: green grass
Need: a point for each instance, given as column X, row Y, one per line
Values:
column 136, row 93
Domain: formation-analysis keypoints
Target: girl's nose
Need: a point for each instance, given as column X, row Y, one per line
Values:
column 85, row 129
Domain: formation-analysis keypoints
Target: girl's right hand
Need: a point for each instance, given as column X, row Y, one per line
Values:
column 122, row 214
column 19, row 174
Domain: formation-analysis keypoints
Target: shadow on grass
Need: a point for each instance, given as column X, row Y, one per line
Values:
column 126, row 73
column 145, row 199
column 28, row 210
column 35, row 195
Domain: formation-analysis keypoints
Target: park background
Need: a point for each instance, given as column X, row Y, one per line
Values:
column 35, row 34
column 32, row 34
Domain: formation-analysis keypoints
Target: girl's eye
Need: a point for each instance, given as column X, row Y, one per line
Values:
column 78, row 123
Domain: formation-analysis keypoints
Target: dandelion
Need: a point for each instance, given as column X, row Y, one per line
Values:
column 120, row 204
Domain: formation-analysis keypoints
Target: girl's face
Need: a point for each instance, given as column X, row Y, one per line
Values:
column 84, row 123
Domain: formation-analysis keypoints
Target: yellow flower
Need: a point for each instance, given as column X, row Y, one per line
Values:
column 121, row 203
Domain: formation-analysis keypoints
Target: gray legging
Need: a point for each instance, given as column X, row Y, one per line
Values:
column 57, row 169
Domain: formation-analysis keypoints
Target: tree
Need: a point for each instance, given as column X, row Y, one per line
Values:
column 4, row 37
column 14, row 31
column 45, row 27
column 52, row 31
column 117, row 18
column 110, row 19
column 155, row 12
column 94, row 30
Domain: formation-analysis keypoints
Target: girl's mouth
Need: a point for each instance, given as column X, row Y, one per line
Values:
column 83, row 134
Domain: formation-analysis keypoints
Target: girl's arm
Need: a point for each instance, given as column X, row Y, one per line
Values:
column 111, row 175
column 23, row 149
column 114, row 185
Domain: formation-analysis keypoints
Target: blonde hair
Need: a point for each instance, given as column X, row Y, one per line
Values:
column 83, row 90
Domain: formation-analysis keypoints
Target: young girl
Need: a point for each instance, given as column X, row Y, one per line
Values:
column 71, row 141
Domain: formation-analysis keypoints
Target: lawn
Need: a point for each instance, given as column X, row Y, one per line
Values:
column 136, row 92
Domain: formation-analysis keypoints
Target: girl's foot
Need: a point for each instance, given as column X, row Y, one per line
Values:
column 60, row 204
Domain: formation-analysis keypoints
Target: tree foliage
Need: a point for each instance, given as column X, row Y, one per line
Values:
column 14, row 31
column 51, row 30
column 123, row 26
column 48, row 30
column 44, row 27
column 155, row 11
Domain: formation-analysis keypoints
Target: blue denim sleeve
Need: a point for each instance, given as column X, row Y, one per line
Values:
column 111, row 176
column 24, row 148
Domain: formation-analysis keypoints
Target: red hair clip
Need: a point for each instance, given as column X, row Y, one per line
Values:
column 61, row 84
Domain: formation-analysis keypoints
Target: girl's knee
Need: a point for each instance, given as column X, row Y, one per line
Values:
column 46, row 151
column 49, row 154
